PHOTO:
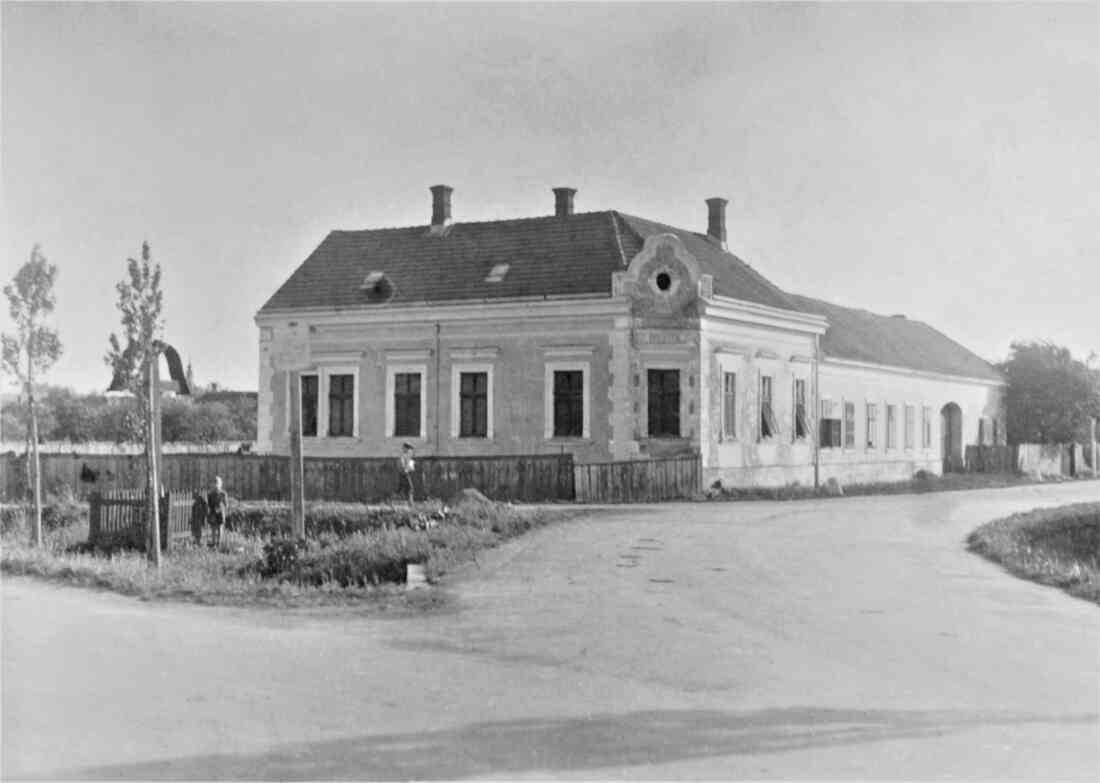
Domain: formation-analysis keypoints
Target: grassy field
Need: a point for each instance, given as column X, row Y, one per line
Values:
column 1058, row 546
column 351, row 555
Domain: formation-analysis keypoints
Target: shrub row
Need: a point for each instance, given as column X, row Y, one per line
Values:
column 1054, row 546
column 57, row 512
column 266, row 519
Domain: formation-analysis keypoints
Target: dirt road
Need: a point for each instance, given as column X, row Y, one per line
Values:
column 851, row 638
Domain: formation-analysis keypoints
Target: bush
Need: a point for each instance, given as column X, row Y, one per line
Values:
column 63, row 509
column 281, row 556
column 13, row 518
column 358, row 560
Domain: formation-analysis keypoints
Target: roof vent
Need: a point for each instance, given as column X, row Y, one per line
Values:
column 377, row 287
column 497, row 273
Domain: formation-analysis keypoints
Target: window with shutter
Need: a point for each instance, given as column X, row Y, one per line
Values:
column 768, row 427
column 729, row 405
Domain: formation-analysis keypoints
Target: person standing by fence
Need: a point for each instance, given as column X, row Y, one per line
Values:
column 217, row 504
column 405, row 467
column 198, row 517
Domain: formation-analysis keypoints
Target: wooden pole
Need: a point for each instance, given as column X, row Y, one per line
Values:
column 37, row 468
column 152, row 410
column 297, row 466
column 1096, row 456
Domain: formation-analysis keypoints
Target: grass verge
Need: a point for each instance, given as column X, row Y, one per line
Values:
column 364, row 565
column 920, row 483
column 1052, row 546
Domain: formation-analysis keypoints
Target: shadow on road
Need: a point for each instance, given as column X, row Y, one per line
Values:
column 578, row 743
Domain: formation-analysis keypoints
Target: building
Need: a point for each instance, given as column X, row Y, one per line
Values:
column 610, row 337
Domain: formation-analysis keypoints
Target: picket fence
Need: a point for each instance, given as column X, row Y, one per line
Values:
column 117, row 516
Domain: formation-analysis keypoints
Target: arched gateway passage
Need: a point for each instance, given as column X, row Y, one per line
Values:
column 951, row 428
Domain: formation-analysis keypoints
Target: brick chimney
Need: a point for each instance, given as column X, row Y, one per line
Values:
column 563, row 201
column 716, row 221
column 441, row 207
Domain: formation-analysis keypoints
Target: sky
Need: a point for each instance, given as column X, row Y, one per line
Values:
column 936, row 160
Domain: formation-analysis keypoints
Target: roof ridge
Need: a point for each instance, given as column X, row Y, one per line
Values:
column 459, row 223
column 618, row 236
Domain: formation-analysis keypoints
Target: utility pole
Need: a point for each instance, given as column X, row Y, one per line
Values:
column 152, row 456
column 35, row 457
column 297, row 466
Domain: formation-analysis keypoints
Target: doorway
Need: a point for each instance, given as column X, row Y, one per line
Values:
column 951, row 431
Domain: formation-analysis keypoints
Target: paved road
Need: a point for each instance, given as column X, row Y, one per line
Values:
column 851, row 638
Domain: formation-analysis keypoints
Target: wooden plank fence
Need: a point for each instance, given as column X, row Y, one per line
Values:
column 267, row 477
column 638, row 481
column 1051, row 459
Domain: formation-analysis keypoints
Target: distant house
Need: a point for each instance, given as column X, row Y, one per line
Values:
column 610, row 337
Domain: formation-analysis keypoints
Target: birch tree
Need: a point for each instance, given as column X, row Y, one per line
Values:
column 32, row 350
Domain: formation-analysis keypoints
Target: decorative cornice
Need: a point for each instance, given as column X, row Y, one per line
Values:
column 408, row 355
column 524, row 308
column 568, row 350
column 853, row 364
column 487, row 353
column 727, row 309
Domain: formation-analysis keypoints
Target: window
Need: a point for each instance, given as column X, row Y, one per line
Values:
column 309, row 406
column 406, row 401
column 568, row 403
column 849, row 425
column 473, row 404
column 891, row 426
column 926, row 427
column 910, row 425
column 996, row 434
column 830, row 425
column 801, row 428
column 406, row 404
column 767, row 414
column 471, row 400
column 497, row 273
column 664, row 403
column 729, row 405
column 341, row 406
column 565, row 399
column 872, row 425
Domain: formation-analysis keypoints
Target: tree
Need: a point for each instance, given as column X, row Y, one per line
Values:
column 1051, row 397
column 140, row 303
column 33, row 349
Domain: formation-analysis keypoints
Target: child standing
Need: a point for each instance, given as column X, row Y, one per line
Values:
column 217, row 504
column 198, row 517
column 405, row 468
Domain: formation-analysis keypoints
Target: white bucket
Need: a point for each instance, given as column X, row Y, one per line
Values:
column 414, row 576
